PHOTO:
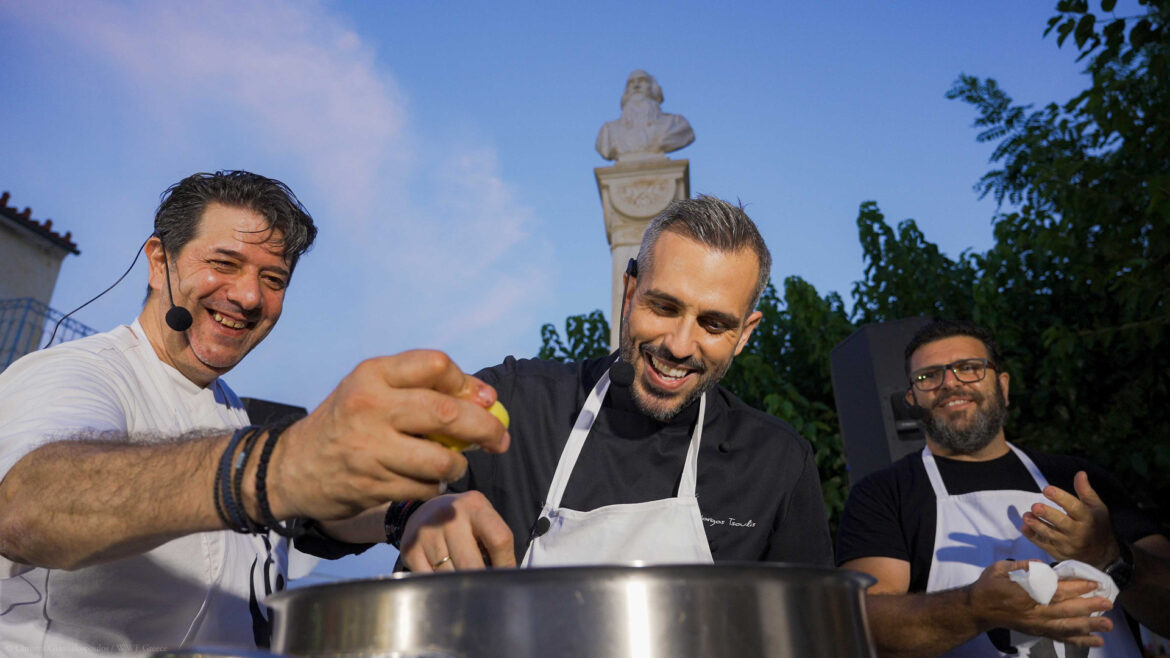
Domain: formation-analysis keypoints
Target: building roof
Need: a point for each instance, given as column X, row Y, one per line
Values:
column 43, row 229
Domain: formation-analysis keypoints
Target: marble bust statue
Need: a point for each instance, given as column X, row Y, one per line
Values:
column 643, row 131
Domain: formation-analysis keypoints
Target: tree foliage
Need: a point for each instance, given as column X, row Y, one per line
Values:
column 1075, row 287
column 587, row 335
column 1077, row 282
column 906, row 275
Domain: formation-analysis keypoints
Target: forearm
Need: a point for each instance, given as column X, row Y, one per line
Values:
column 70, row 504
column 921, row 624
column 369, row 527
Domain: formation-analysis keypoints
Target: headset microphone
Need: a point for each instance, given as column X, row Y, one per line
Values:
column 622, row 373
column 178, row 318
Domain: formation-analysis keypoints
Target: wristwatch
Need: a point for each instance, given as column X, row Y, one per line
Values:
column 397, row 514
column 1121, row 569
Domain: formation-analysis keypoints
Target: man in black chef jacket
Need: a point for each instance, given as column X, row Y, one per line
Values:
column 641, row 455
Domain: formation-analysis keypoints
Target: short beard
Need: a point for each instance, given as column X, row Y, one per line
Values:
column 983, row 428
column 708, row 380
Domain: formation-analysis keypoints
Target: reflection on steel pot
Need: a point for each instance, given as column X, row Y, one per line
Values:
column 622, row 611
column 212, row 652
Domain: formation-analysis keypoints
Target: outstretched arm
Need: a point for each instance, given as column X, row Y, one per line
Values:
column 77, row 502
column 73, row 503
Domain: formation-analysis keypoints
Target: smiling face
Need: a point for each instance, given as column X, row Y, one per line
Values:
column 962, row 420
column 687, row 316
column 232, row 277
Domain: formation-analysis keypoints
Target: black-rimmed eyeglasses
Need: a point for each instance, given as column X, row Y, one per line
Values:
column 967, row 371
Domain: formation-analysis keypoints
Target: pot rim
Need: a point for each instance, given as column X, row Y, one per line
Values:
column 520, row 576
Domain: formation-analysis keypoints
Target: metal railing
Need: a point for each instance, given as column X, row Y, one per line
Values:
column 25, row 325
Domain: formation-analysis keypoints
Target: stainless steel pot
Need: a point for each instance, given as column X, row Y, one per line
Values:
column 621, row 611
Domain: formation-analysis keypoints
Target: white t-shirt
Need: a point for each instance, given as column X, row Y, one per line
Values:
column 205, row 588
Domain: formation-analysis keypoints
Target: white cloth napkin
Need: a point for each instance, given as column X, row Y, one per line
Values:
column 1039, row 580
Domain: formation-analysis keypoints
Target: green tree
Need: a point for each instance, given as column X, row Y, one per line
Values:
column 906, row 275
column 587, row 335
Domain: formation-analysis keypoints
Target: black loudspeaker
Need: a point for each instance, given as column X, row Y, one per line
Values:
column 869, row 384
column 263, row 412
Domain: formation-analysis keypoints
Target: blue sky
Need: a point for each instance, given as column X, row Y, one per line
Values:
column 446, row 148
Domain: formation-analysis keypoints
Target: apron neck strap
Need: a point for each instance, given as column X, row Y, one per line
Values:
column 940, row 489
column 580, row 432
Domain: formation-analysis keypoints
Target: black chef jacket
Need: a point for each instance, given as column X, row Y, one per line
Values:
column 758, row 488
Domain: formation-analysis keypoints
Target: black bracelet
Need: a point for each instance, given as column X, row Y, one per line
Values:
column 397, row 514
column 229, row 509
column 239, row 464
column 293, row 529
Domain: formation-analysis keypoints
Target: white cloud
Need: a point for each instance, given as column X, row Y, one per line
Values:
column 293, row 84
column 472, row 262
column 294, row 77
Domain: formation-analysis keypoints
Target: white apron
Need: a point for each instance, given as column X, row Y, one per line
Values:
column 667, row 531
column 976, row 529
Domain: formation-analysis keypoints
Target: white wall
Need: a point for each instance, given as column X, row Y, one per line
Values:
column 29, row 263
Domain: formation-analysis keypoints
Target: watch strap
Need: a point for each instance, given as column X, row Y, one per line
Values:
column 1121, row 569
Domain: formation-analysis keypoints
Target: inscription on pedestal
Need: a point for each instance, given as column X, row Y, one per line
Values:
column 643, row 197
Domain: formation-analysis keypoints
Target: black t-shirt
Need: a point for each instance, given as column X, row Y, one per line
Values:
column 758, row 488
column 891, row 513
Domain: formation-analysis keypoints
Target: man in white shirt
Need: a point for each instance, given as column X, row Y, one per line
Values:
column 123, row 460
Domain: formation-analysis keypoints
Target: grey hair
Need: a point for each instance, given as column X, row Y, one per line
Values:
column 655, row 88
column 714, row 223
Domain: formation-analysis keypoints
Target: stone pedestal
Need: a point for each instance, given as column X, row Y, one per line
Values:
column 631, row 195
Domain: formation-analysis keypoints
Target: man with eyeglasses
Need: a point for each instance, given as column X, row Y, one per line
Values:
column 941, row 530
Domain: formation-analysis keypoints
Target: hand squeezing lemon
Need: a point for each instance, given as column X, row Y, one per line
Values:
column 496, row 410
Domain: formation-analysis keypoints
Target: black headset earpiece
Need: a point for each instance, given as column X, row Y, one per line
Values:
column 622, row 373
column 177, row 318
column 631, row 273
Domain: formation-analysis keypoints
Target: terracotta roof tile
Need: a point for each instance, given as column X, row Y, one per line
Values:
column 44, row 229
